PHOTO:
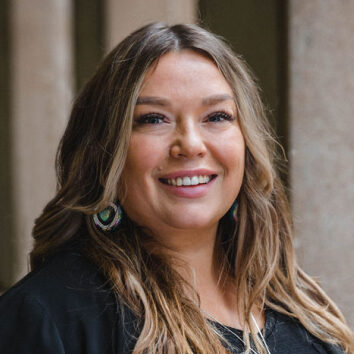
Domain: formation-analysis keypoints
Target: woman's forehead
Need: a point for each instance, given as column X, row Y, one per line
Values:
column 184, row 72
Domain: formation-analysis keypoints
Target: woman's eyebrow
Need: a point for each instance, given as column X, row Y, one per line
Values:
column 156, row 101
column 214, row 99
column 159, row 101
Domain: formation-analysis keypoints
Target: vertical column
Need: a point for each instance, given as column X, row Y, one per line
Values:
column 123, row 17
column 322, row 142
column 88, row 37
column 41, row 96
column 6, row 229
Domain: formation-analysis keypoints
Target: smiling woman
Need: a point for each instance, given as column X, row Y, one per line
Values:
column 170, row 231
column 182, row 133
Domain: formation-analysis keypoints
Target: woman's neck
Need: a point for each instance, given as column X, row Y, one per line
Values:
column 194, row 251
column 196, row 261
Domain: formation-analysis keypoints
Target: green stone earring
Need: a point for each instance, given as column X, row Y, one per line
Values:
column 232, row 213
column 109, row 218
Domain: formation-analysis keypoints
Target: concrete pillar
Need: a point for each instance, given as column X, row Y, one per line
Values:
column 322, row 142
column 41, row 96
column 123, row 17
column 6, row 229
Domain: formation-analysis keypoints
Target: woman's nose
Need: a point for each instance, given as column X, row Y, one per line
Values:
column 188, row 142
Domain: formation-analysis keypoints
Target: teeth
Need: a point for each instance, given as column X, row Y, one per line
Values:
column 188, row 181
column 194, row 180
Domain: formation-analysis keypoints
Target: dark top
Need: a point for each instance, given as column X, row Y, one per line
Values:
column 65, row 306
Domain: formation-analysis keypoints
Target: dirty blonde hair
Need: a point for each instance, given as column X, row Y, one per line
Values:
column 257, row 257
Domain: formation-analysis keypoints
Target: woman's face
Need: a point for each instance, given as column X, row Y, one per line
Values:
column 185, row 161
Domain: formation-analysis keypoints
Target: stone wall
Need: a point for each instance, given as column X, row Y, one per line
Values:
column 321, row 124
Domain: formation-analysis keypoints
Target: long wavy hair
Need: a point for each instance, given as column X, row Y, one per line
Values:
column 257, row 256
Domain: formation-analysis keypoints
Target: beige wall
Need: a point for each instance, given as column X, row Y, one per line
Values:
column 322, row 142
column 41, row 86
column 123, row 17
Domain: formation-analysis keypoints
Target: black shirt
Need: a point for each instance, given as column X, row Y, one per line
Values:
column 65, row 306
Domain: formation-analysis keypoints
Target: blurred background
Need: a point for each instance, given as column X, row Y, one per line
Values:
column 301, row 51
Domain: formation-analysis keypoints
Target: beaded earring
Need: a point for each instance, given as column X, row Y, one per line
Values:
column 232, row 213
column 109, row 218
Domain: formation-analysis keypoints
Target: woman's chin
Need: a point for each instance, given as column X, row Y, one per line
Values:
column 192, row 222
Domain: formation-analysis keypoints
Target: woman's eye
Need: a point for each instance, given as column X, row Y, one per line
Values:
column 151, row 118
column 219, row 117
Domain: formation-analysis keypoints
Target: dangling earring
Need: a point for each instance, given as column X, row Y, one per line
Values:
column 109, row 218
column 232, row 213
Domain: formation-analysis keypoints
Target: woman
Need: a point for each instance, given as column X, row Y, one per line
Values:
column 170, row 230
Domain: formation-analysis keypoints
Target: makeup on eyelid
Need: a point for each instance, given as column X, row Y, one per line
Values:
column 143, row 118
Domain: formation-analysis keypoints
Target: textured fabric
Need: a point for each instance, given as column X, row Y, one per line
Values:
column 66, row 307
column 282, row 335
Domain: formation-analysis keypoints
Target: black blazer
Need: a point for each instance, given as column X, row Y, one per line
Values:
column 66, row 306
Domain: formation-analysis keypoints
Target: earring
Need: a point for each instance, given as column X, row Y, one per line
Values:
column 109, row 218
column 232, row 213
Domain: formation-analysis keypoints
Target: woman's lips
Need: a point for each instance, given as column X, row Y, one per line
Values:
column 188, row 173
column 187, row 180
column 189, row 191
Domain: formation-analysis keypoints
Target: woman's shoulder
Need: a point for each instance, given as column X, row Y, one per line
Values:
column 64, row 303
column 287, row 334
column 65, row 275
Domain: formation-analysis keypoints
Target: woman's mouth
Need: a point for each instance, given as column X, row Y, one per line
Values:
column 188, row 181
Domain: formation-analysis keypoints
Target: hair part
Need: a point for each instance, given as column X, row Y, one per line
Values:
column 90, row 161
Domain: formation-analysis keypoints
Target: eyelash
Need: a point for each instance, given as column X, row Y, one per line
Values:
column 144, row 119
column 223, row 115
